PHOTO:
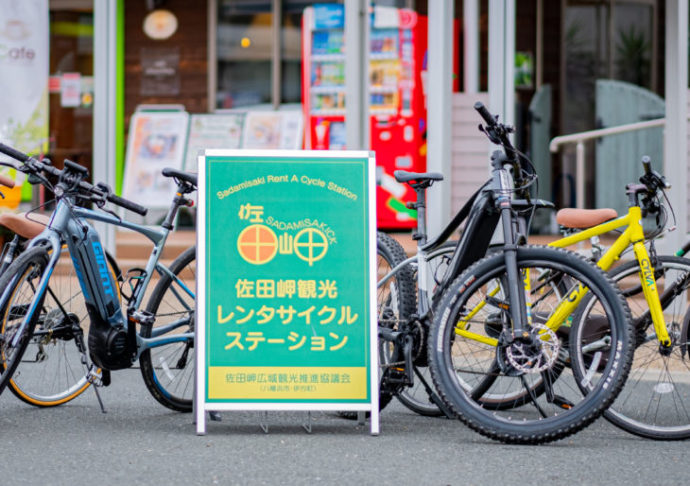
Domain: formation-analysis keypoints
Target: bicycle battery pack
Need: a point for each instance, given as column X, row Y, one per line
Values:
column 109, row 344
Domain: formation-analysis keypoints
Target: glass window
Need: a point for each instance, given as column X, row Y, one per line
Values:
column 244, row 47
column 244, row 42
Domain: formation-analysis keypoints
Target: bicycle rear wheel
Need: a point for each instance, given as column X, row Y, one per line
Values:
column 18, row 284
column 168, row 370
column 472, row 354
column 655, row 400
column 396, row 302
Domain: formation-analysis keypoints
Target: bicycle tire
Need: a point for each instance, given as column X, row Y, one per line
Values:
column 168, row 370
column 57, row 375
column 28, row 267
column 396, row 301
column 651, row 403
column 528, row 424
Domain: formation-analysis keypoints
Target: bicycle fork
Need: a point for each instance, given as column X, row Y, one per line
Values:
column 516, row 288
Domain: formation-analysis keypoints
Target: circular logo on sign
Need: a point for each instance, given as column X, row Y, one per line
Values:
column 257, row 244
column 310, row 245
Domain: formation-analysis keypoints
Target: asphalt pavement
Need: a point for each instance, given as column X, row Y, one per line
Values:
column 140, row 442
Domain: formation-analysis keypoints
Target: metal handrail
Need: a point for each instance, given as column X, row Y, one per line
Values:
column 580, row 138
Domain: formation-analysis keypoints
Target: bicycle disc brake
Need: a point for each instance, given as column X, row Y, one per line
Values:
column 535, row 356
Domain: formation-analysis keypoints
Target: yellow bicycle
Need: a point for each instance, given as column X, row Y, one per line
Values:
column 654, row 401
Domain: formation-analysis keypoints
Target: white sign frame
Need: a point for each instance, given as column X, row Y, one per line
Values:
column 200, row 404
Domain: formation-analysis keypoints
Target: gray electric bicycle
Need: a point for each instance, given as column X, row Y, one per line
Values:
column 44, row 357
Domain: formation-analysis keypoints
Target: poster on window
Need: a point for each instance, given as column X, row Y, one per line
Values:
column 156, row 140
column 273, row 130
column 24, row 59
column 212, row 131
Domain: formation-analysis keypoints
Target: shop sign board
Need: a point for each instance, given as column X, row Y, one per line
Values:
column 286, row 282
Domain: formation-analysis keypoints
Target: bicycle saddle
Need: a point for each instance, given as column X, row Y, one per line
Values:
column 178, row 174
column 22, row 225
column 404, row 176
column 584, row 218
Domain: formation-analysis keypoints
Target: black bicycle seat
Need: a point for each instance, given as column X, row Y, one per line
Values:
column 178, row 174
column 404, row 176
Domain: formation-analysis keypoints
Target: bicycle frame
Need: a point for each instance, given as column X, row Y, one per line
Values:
column 69, row 223
column 633, row 234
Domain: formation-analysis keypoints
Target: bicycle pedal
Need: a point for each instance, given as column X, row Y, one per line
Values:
column 561, row 402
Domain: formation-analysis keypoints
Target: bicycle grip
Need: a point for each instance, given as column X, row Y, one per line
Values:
column 647, row 164
column 484, row 113
column 14, row 153
column 6, row 181
column 127, row 204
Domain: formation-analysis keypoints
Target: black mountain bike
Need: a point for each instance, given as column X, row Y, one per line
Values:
column 493, row 326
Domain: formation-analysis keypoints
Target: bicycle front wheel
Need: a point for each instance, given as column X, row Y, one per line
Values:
column 655, row 400
column 18, row 284
column 55, row 368
column 168, row 369
column 473, row 355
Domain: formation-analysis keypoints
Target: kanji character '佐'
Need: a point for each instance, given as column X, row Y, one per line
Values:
column 245, row 288
column 251, row 213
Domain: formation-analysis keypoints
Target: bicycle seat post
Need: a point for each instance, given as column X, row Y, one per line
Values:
column 420, row 206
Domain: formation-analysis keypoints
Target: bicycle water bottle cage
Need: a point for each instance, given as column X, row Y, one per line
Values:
column 134, row 277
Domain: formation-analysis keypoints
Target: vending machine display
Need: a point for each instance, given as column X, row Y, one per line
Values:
column 397, row 54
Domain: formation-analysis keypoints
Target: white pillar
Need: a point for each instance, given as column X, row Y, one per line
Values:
column 676, row 131
column 470, row 14
column 439, row 107
column 104, row 102
column 502, row 59
column 357, row 74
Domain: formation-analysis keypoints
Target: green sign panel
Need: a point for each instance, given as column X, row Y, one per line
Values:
column 288, row 277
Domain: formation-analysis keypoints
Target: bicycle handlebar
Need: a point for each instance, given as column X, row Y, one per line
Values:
column 14, row 153
column 484, row 113
column 647, row 164
column 32, row 166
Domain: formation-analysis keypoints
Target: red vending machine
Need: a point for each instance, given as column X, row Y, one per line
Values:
column 397, row 55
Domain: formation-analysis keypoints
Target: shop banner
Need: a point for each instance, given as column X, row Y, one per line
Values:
column 156, row 140
column 286, row 282
column 24, row 57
